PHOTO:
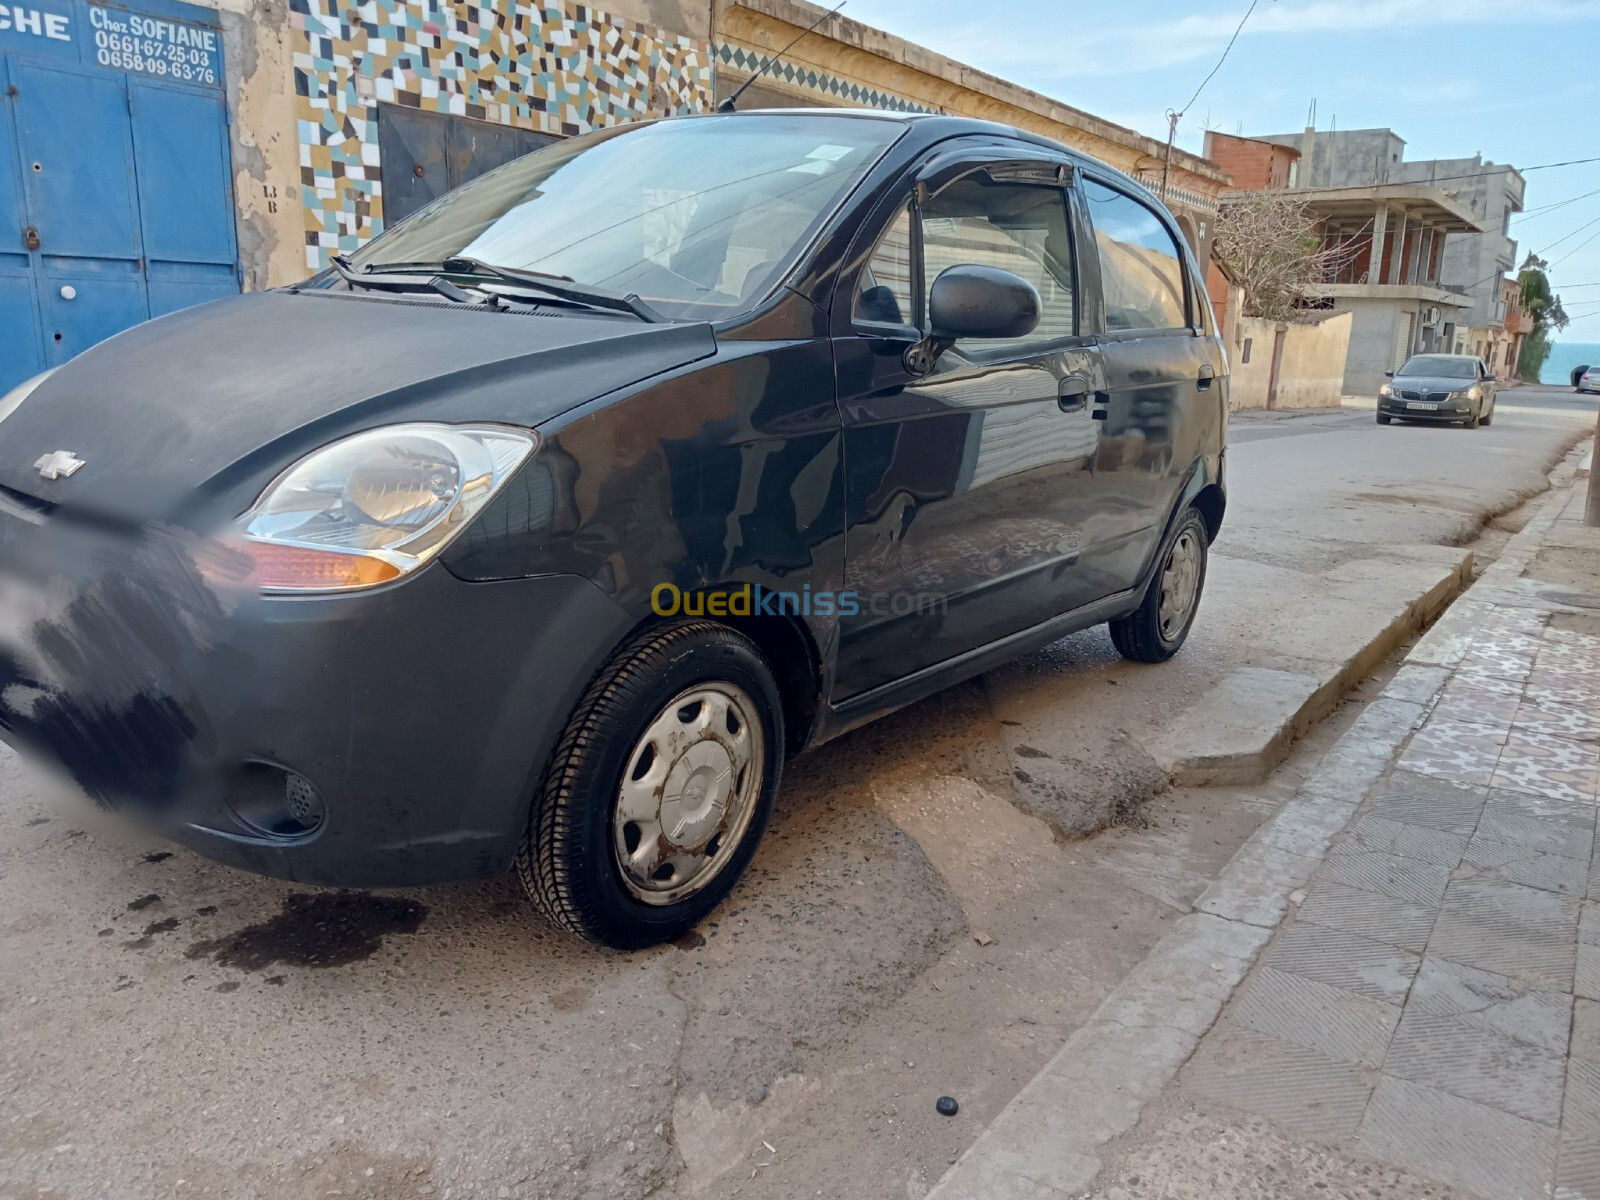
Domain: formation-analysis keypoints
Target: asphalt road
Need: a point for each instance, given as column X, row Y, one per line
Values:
column 172, row 1028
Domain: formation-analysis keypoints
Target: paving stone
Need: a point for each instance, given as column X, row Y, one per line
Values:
column 1416, row 683
column 1493, row 1002
column 1578, row 1166
column 1589, row 924
column 1594, row 879
column 1370, row 914
column 1339, row 1023
column 1498, row 899
column 1586, row 1030
column 1477, row 937
column 1469, row 1145
column 1344, row 960
column 1382, row 835
column 1523, row 864
column 1431, row 802
column 1294, row 1086
column 1478, row 1064
column 1556, row 826
column 1403, row 878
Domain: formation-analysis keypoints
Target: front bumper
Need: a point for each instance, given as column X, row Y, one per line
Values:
column 422, row 712
column 1460, row 410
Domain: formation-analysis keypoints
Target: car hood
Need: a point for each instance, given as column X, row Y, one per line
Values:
column 1433, row 383
column 217, row 399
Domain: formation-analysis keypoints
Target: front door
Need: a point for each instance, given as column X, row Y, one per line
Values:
column 116, row 198
column 967, row 481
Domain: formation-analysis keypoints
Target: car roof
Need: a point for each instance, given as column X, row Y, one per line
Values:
column 948, row 125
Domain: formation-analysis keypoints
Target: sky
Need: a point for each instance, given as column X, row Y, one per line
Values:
column 1513, row 80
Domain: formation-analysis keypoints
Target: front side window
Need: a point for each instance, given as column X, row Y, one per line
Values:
column 1021, row 228
column 1141, row 270
column 699, row 217
column 884, row 293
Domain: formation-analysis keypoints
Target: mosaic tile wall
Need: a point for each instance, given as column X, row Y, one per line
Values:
column 559, row 70
column 830, row 88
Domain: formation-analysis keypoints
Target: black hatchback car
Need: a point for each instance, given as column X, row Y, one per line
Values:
column 541, row 530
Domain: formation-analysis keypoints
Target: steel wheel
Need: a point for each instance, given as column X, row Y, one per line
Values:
column 1180, row 580
column 688, row 793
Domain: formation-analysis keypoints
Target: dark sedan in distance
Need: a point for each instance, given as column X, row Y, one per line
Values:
column 540, row 531
column 1439, row 387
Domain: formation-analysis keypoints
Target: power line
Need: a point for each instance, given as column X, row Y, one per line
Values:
column 1221, row 60
column 1552, row 207
column 1574, row 233
column 1576, row 248
column 1486, row 169
column 1173, row 117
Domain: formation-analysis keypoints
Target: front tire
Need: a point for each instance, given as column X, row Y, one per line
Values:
column 1473, row 421
column 659, row 790
column 1157, row 629
column 1384, row 419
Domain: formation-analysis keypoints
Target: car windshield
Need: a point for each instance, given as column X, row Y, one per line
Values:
column 697, row 216
column 1440, row 366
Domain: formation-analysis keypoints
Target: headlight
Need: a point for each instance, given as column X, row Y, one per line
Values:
column 1470, row 393
column 372, row 507
column 1386, row 390
column 14, row 398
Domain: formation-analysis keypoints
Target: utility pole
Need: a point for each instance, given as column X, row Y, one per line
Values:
column 1166, row 167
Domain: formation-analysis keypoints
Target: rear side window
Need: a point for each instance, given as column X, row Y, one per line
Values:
column 1020, row 228
column 1141, row 270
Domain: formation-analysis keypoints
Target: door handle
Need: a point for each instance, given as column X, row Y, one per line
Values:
column 1205, row 377
column 1073, row 393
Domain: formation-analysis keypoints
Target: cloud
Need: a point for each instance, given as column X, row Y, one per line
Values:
column 1122, row 50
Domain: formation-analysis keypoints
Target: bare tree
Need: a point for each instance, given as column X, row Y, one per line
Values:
column 1275, row 249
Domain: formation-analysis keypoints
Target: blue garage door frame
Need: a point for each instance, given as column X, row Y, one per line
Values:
column 116, row 195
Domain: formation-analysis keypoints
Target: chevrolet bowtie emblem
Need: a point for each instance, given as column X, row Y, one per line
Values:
column 58, row 464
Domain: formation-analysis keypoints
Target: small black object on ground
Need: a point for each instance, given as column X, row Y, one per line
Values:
column 947, row 1106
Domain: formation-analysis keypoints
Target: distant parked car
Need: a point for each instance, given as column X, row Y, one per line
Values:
column 1439, row 387
column 1586, row 379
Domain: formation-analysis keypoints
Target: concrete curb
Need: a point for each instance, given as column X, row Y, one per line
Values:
column 1247, row 724
column 1045, row 1144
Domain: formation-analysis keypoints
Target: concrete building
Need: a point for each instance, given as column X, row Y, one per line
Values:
column 1474, row 263
column 157, row 153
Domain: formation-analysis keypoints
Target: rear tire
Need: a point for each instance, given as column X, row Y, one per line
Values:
column 659, row 789
column 1157, row 629
column 1383, row 419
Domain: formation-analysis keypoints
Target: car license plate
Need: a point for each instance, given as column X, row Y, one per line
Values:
column 1429, row 405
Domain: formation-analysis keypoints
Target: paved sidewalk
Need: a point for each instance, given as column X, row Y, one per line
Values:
column 1434, row 1003
column 1425, row 1020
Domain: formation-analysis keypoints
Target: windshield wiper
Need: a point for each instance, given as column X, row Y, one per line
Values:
column 379, row 281
column 560, row 286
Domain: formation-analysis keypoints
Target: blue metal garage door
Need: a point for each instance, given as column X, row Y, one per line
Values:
column 116, row 200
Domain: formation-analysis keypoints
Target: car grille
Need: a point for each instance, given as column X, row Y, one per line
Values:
column 1417, row 394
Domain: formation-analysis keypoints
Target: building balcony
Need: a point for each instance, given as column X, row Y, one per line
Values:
column 1426, row 292
column 1519, row 322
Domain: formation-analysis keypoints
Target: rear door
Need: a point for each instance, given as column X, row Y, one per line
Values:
column 1161, row 365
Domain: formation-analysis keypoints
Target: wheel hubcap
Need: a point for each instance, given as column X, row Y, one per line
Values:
column 688, row 792
column 1180, row 581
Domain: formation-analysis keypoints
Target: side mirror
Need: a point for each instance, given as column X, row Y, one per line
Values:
column 969, row 301
column 1388, row 374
